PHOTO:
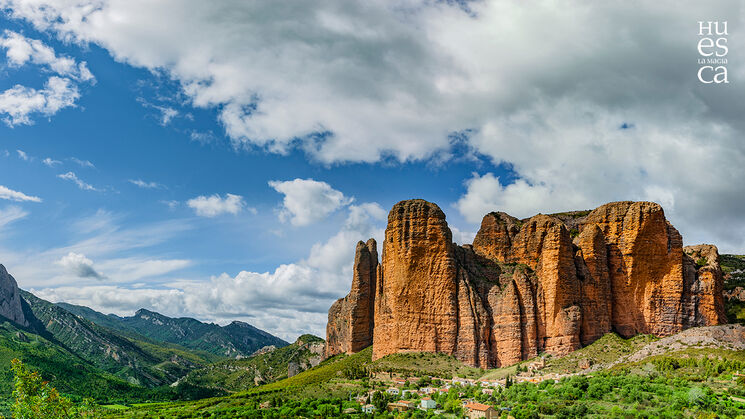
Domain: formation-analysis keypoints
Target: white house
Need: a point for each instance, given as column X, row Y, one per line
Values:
column 428, row 403
column 393, row 391
column 368, row 408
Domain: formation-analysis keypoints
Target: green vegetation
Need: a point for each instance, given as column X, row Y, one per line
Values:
column 132, row 358
column 237, row 338
column 35, row 398
column 571, row 214
column 734, row 276
column 733, row 267
column 666, row 386
column 75, row 377
column 243, row 374
column 420, row 364
column 618, row 394
column 327, row 380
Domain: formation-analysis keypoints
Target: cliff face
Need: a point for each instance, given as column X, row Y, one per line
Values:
column 544, row 284
column 350, row 325
column 10, row 299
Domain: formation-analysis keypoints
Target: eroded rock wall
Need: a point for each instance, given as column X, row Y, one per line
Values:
column 550, row 283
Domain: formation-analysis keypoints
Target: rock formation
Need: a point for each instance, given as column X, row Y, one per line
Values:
column 550, row 283
column 10, row 299
column 350, row 324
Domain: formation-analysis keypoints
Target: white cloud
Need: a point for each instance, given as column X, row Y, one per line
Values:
column 12, row 195
column 307, row 201
column 462, row 237
column 137, row 268
column 105, row 238
column 79, row 265
column 20, row 102
column 51, row 162
column 82, row 163
column 71, row 176
column 359, row 81
column 11, row 213
column 171, row 204
column 145, row 185
column 288, row 301
column 214, row 205
column 21, row 50
column 520, row 199
column 23, row 156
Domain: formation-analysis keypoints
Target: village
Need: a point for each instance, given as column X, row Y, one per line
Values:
column 467, row 397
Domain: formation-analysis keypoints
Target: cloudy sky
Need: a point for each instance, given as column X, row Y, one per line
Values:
column 221, row 159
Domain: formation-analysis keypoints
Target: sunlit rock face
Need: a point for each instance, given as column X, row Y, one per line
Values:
column 549, row 283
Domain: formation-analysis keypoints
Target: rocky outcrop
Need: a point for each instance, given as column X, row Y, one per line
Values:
column 10, row 299
column 350, row 325
column 550, row 283
column 704, row 294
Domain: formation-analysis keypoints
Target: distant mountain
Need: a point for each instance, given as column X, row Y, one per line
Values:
column 87, row 359
column 134, row 358
column 270, row 365
column 238, row 339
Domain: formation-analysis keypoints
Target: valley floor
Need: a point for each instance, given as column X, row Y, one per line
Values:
column 696, row 373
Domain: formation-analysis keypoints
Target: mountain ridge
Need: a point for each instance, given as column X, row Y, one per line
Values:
column 236, row 339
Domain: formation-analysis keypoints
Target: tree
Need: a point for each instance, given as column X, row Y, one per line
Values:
column 36, row 399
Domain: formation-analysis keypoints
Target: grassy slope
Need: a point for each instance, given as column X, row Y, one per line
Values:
column 320, row 381
column 423, row 363
column 240, row 374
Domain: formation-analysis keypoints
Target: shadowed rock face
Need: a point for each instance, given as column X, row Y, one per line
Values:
column 10, row 299
column 544, row 284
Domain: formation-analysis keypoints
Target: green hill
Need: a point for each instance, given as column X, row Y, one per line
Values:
column 243, row 374
column 234, row 340
column 137, row 361
column 329, row 379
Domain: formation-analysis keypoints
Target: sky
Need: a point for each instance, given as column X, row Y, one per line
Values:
column 220, row 160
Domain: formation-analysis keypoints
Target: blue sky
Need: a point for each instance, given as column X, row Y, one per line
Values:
column 232, row 165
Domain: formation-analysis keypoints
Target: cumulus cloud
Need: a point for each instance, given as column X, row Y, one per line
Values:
column 11, row 213
column 20, row 103
column 307, row 201
column 71, row 176
column 79, row 265
column 20, row 50
column 486, row 194
column 214, row 205
column 462, row 237
column 145, row 185
column 11, row 195
column 535, row 90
